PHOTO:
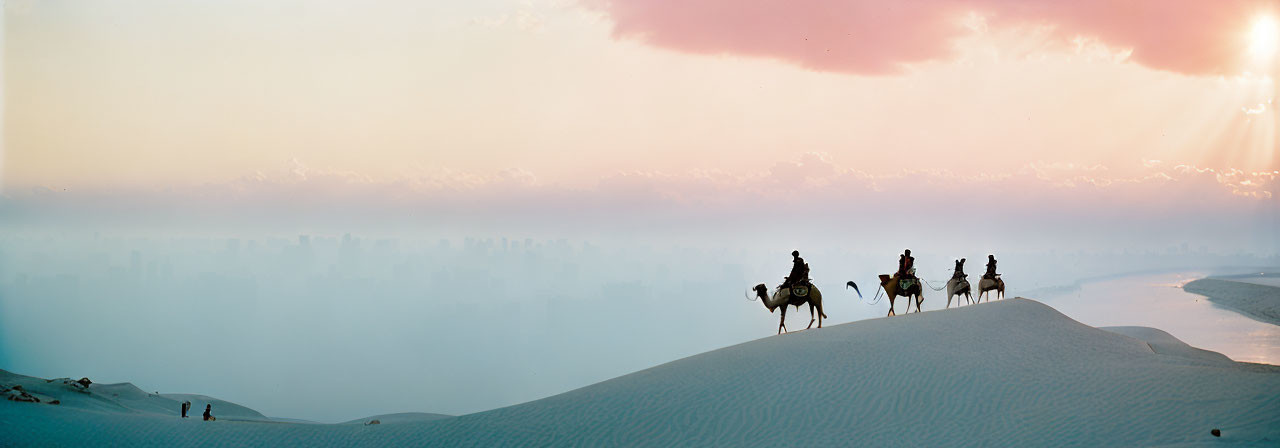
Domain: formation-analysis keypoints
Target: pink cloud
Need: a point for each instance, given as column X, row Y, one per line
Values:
column 877, row 37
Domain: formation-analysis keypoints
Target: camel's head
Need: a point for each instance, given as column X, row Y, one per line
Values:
column 762, row 292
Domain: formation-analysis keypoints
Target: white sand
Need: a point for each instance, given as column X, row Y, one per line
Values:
column 1010, row 373
column 401, row 418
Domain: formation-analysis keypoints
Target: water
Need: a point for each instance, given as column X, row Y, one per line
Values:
column 1158, row 301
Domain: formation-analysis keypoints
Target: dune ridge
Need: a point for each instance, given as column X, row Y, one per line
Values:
column 1009, row 373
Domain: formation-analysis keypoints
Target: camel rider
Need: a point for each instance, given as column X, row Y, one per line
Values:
column 905, row 264
column 799, row 270
column 991, row 267
column 959, row 269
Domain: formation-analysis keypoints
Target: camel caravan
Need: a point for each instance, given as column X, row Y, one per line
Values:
column 797, row 289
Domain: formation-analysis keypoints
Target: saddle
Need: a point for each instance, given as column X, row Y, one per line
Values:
column 907, row 281
column 797, row 288
column 801, row 290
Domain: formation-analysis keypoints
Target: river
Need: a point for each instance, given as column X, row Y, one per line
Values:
column 1158, row 301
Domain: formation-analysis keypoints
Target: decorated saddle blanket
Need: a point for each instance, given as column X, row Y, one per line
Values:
column 800, row 290
column 906, row 283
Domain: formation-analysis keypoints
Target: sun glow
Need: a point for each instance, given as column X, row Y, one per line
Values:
column 1264, row 38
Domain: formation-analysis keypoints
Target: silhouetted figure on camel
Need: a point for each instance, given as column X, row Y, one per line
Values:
column 991, row 281
column 903, row 283
column 799, row 271
column 906, row 265
column 959, row 285
column 795, row 290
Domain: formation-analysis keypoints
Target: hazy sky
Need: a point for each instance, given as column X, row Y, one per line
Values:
column 159, row 93
column 643, row 114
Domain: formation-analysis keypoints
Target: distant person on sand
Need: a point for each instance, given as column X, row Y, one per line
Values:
column 959, row 268
column 991, row 267
column 186, row 406
column 207, row 415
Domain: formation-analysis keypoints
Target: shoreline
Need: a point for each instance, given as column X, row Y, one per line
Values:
column 1224, row 272
column 1256, row 301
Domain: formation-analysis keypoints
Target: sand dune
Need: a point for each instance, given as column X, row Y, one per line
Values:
column 403, row 417
column 1165, row 344
column 124, row 398
column 1010, row 373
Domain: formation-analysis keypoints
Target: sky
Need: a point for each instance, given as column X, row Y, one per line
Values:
column 637, row 113
column 167, row 161
column 149, row 94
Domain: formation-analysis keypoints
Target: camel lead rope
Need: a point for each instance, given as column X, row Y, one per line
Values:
column 877, row 297
column 926, row 282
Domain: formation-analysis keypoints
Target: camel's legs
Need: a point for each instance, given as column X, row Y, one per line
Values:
column 782, row 323
column 820, row 313
column 810, row 317
column 890, row 307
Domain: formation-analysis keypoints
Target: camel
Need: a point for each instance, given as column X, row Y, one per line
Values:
column 890, row 285
column 957, row 287
column 985, row 285
column 782, row 297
